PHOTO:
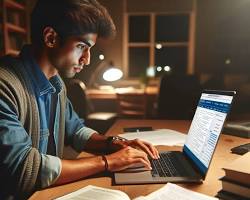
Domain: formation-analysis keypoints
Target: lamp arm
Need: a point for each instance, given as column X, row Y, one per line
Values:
column 95, row 73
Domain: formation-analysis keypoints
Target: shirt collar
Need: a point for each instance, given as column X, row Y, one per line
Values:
column 40, row 81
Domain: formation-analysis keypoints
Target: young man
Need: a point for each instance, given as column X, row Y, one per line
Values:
column 37, row 119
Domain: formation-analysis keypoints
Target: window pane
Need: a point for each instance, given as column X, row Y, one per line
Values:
column 174, row 57
column 139, row 28
column 172, row 28
column 138, row 61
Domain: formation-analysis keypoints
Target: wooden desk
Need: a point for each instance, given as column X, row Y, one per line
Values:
column 210, row 186
column 105, row 100
column 111, row 93
column 101, row 94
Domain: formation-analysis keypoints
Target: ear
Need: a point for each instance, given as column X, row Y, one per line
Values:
column 50, row 37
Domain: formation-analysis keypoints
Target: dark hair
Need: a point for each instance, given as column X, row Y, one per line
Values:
column 70, row 18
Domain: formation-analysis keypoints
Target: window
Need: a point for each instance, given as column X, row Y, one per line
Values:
column 138, row 60
column 173, row 57
column 139, row 28
column 159, row 40
column 172, row 28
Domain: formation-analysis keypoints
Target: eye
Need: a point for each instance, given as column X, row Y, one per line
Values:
column 82, row 46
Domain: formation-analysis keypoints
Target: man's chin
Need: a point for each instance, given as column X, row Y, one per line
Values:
column 67, row 74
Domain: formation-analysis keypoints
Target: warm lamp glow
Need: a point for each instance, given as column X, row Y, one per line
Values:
column 159, row 68
column 112, row 74
column 167, row 68
column 158, row 46
column 150, row 71
column 101, row 57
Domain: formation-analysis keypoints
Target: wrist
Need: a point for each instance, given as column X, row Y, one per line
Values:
column 111, row 140
column 106, row 164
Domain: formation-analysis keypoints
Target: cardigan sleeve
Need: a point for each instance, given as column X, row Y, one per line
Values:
column 20, row 160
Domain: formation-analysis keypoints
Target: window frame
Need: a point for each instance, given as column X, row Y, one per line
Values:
column 151, row 44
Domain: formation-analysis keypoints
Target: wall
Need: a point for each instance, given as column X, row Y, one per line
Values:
column 113, row 49
column 159, row 5
column 223, row 48
column 223, row 36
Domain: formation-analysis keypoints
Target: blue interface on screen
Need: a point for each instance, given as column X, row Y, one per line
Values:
column 206, row 127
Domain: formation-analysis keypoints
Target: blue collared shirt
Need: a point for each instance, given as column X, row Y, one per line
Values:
column 49, row 110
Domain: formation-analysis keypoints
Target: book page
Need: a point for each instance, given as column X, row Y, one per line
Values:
column 175, row 192
column 158, row 137
column 95, row 193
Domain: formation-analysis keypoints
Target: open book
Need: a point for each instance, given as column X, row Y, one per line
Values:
column 168, row 192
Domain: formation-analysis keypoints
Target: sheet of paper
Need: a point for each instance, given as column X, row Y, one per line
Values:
column 158, row 137
column 95, row 193
column 175, row 192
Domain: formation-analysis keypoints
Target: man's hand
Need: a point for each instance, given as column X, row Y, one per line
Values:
column 127, row 157
column 137, row 144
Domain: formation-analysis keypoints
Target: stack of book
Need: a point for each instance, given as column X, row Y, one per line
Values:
column 236, row 182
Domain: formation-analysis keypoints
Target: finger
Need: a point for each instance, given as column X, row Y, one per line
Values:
column 135, row 153
column 152, row 149
column 155, row 151
column 146, row 163
column 147, row 147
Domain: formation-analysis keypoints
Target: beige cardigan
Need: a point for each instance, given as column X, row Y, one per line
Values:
column 16, row 89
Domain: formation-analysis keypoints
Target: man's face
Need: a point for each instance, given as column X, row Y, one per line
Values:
column 70, row 57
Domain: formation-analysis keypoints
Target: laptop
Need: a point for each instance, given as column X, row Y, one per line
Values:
column 192, row 163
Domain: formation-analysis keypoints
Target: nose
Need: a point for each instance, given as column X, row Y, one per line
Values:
column 85, row 58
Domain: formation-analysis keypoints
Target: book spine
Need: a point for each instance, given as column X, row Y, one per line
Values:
column 239, row 177
column 235, row 188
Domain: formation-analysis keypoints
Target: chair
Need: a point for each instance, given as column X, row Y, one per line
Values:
column 178, row 97
column 132, row 104
column 99, row 121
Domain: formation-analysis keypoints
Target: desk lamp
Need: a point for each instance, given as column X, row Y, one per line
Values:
column 107, row 71
column 112, row 74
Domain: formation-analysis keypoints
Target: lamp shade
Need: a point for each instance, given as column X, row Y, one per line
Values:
column 112, row 74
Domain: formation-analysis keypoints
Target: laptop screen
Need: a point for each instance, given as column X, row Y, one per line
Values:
column 206, row 127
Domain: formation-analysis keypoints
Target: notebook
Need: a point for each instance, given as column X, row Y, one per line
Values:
column 192, row 163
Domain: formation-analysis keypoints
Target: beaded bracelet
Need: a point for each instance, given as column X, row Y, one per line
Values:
column 106, row 162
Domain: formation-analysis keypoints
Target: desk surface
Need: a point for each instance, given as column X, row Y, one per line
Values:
column 210, row 186
column 111, row 93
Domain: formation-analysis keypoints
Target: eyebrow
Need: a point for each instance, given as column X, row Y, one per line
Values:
column 87, row 42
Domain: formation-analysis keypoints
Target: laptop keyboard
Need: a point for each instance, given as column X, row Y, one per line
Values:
column 164, row 166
